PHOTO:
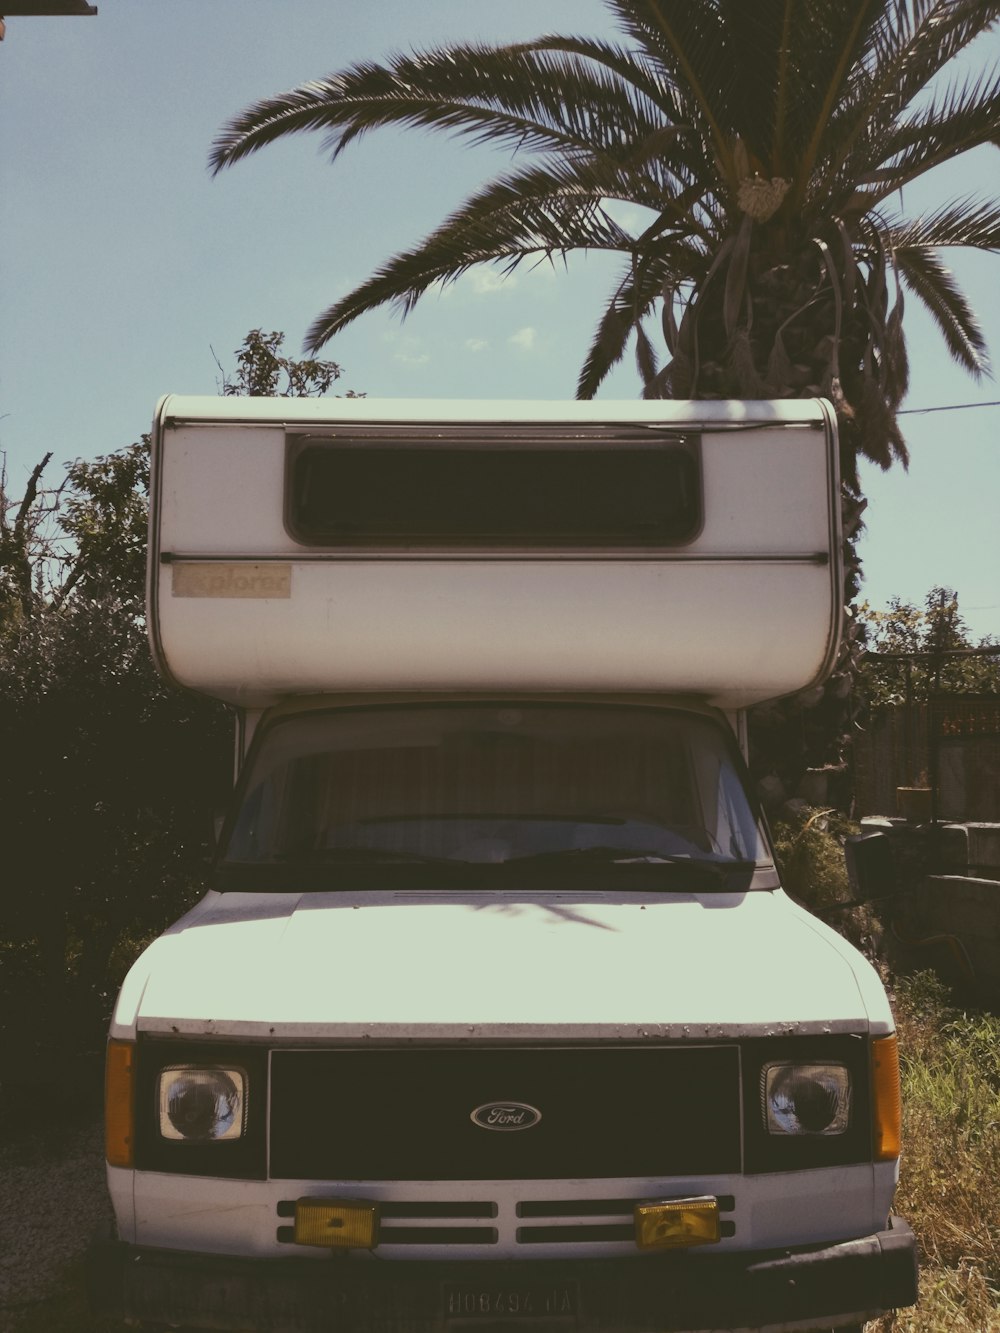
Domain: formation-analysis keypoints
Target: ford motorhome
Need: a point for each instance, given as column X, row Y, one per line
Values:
column 495, row 1014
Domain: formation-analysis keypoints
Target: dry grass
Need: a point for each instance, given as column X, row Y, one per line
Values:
column 949, row 1188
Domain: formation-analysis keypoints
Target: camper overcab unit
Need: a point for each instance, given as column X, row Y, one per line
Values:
column 495, row 1014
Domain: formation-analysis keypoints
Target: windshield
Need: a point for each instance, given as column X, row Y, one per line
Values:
column 493, row 785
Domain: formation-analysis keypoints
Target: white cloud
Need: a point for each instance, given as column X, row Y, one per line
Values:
column 525, row 339
column 486, row 281
column 477, row 344
column 409, row 351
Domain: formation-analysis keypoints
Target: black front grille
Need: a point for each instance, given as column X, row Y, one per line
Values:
column 406, row 1114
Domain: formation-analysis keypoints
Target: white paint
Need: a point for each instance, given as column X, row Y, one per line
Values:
column 240, row 1217
column 747, row 610
column 380, row 966
column 725, row 622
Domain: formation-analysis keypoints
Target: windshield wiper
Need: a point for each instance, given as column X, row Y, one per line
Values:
column 717, row 873
column 366, row 855
column 647, row 865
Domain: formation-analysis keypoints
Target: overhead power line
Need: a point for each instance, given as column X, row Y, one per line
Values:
column 951, row 407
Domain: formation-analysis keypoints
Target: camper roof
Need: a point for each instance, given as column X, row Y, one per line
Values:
column 301, row 546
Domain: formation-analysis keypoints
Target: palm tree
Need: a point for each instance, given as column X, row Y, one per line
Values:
column 765, row 146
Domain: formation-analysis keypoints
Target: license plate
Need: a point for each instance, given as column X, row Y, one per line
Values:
column 531, row 1301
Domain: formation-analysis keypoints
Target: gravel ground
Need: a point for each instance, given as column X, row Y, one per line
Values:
column 54, row 1199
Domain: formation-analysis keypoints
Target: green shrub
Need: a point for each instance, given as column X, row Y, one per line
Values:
column 810, row 851
column 809, row 848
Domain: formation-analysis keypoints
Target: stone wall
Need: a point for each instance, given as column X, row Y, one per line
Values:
column 940, row 891
column 957, row 923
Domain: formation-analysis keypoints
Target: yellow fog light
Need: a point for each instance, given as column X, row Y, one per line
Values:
column 343, row 1224
column 671, row 1223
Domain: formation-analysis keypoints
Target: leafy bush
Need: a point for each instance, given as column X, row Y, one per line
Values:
column 110, row 777
column 914, row 653
column 107, row 789
column 809, row 847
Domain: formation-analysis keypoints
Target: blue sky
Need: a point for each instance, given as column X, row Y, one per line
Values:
column 125, row 264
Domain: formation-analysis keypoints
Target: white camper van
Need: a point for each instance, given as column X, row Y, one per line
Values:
column 496, row 1014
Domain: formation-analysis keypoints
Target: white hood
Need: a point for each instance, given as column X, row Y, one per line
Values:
column 395, row 966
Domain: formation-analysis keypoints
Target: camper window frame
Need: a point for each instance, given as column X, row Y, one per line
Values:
column 680, row 451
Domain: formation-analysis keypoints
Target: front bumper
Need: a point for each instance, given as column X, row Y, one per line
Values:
column 781, row 1289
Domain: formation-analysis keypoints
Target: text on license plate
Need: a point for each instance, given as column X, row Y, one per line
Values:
column 466, row 1302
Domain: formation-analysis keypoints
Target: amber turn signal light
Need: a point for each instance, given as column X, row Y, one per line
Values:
column 887, row 1104
column 119, row 1103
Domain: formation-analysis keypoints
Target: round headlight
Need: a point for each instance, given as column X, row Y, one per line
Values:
column 806, row 1099
column 201, row 1105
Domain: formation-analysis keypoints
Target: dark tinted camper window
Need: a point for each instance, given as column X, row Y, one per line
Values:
column 629, row 490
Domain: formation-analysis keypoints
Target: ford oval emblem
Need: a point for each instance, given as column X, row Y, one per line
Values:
column 506, row 1116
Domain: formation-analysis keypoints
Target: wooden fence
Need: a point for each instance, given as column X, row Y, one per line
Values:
column 951, row 744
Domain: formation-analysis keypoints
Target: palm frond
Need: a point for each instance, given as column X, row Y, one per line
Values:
column 852, row 33
column 783, row 98
column 964, row 222
column 689, row 41
column 631, row 301
column 646, row 362
column 962, row 118
column 606, row 349
column 780, row 289
column 688, row 212
column 897, row 359
column 813, row 45
column 873, row 431
column 633, row 65
column 511, row 97
column 768, row 54
column 535, row 213
column 934, row 284
column 914, row 42
column 908, row 47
